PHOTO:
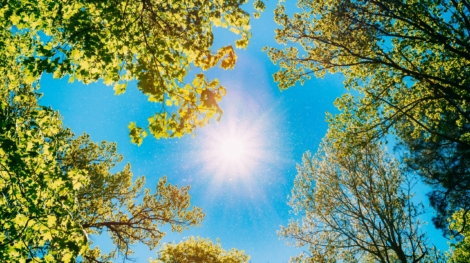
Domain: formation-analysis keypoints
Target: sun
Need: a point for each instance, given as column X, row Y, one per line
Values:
column 232, row 151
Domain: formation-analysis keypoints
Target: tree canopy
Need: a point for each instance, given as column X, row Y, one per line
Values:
column 120, row 205
column 356, row 208
column 37, row 201
column 406, row 65
column 409, row 60
column 460, row 251
column 199, row 250
column 57, row 191
column 154, row 42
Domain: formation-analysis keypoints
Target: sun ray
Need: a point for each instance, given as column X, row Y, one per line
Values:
column 242, row 153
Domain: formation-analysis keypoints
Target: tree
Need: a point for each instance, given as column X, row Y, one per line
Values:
column 199, row 250
column 37, row 202
column 36, row 197
column 460, row 251
column 410, row 61
column 128, row 212
column 154, row 42
column 56, row 190
column 357, row 207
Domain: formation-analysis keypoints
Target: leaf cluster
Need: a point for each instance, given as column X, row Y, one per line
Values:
column 199, row 250
column 56, row 191
column 157, row 43
column 460, row 251
column 37, row 200
column 120, row 205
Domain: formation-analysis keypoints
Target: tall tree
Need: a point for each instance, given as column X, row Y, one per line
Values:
column 356, row 207
column 36, row 197
column 154, row 42
column 410, row 61
column 199, row 250
column 37, row 201
column 55, row 191
column 120, row 205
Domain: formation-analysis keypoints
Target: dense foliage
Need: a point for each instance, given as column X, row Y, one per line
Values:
column 154, row 42
column 460, row 251
column 405, row 63
column 37, row 201
column 57, row 191
column 199, row 250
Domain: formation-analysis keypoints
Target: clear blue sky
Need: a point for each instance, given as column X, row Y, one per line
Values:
column 244, row 206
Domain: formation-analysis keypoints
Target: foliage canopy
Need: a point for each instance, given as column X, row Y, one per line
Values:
column 409, row 60
column 37, row 198
column 120, row 205
column 56, row 191
column 154, row 42
column 460, row 251
column 199, row 250
column 356, row 208
column 36, row 201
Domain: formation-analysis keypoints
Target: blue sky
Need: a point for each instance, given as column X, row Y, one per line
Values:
column 244, row 208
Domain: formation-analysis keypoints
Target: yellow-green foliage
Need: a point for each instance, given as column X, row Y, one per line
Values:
column 407, row 65
column 37, row 201
column 199, row 250
column 57, row 191
column 120, row 205
column 460, row 251
column 408, row 59
column 154, row 42
column 356, row 206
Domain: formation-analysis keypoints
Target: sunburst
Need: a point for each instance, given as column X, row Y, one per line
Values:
column 232, row 150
